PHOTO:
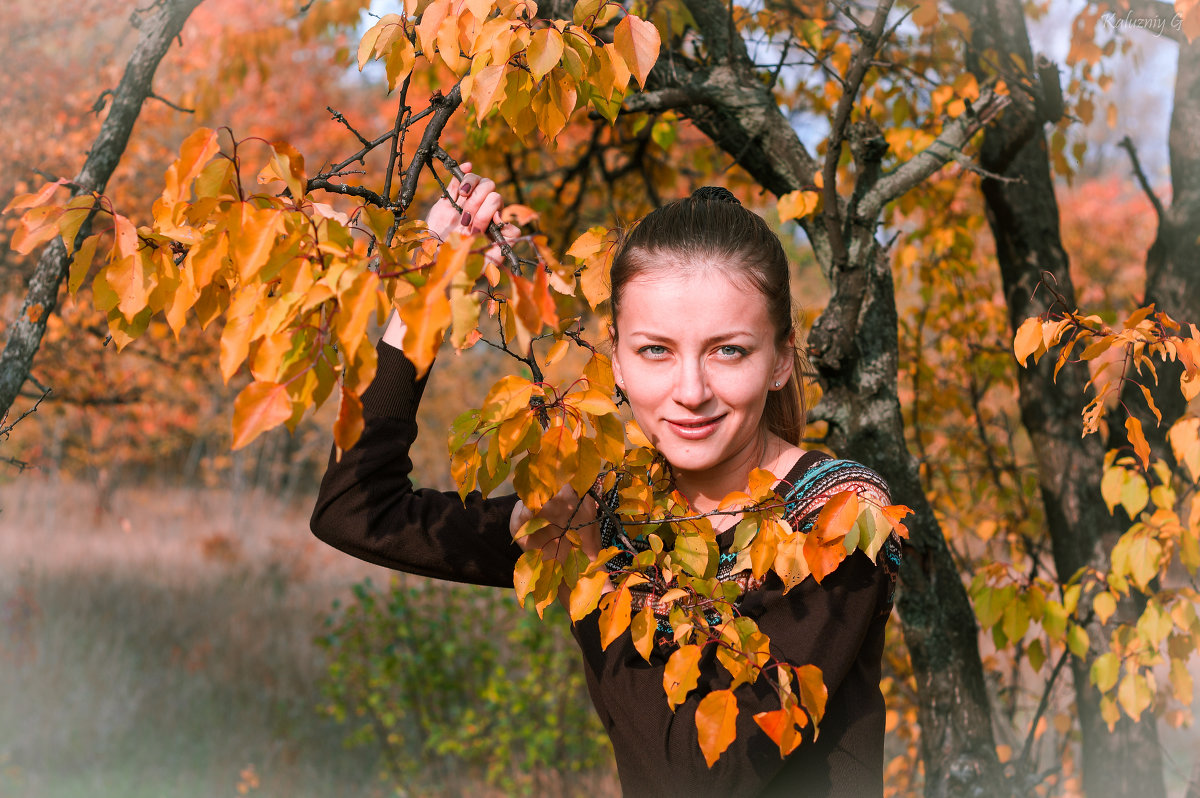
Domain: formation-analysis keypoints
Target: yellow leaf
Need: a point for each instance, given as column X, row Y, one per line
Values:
column 716, row 723
column 637, row 42
column 586, row 594
column 259, row 407
column 1105, row 605
column 545, row 51
column 400, row 60
column 1028, row 340
column 813, row 693
column 1134, row 695
column 681, row 674
column 81, row 263
column 642, row 627
column 486, row 90
column 1111, row 485
column 507, row 398
column 1185, row 444
column 790, row 562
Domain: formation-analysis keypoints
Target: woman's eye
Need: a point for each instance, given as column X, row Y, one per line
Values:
column 730, row 351
column 653, row 350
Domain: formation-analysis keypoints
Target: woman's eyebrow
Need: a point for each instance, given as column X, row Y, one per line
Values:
column 712, row 339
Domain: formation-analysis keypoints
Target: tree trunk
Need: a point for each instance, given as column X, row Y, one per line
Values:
column 1023, row 215
column 26, row 330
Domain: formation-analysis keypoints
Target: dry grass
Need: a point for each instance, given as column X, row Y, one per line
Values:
column 166, row 648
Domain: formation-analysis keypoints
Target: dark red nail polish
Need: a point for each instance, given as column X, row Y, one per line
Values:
column 466, row 218
column 465, row 189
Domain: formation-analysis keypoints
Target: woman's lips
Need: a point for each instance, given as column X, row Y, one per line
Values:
column 694, row 429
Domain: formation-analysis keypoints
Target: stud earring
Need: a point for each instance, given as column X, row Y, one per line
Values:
column 777, row 385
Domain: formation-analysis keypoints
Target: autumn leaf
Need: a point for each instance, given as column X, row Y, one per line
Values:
column 716, row 723
column 637, row 41
column 259, row 407
column 823, row 548
column 643, row 627
column 797, row 205
column 544, row 52
column 614, row 614
column 1134, row 429
column 681, row 674
column 1028, row 340
column 349, row 424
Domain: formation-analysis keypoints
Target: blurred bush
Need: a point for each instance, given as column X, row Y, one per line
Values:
column 458, row 684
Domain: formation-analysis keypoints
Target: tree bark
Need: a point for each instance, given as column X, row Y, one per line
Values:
column 26, row 330
column 1023, row 215
column 856, row 353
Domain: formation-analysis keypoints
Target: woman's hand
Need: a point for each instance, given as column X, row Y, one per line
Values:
column 565, row 510
column 481, row 205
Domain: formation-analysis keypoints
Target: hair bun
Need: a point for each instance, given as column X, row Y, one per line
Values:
column 715, row 194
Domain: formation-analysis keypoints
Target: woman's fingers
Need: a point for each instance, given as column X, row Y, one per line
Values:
column 564, row 511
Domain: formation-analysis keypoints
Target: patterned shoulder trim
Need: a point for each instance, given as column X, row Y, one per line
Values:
column 817, row 485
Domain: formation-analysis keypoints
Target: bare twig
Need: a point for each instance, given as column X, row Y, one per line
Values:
column 1127, row 145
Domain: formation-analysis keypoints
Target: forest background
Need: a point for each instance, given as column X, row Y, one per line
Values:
column 164, row 606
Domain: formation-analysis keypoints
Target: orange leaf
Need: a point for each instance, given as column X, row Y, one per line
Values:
column 824, row 549
column 196, row 151
column 349, row 424
column 43, row 195
column 614, row 615
column 681, row 674
column 36, row 227
column 259, row 407
column 637, row 41
column 1134, row 428
column 895, row 514
column 780, row 726
column 796, row 204
column 716, row 723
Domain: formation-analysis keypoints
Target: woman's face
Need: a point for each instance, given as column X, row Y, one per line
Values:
column 695, row 354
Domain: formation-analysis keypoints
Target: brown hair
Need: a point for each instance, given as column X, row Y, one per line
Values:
column 712, row 226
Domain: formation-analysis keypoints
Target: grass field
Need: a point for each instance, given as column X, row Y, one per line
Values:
column 165, row 648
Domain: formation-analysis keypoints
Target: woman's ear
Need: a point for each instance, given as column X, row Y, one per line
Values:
column 785, row 361
column 616, row 362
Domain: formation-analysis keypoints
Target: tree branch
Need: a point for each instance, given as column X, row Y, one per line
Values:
column 1127, row 145
column 25, row 336
column 443, row 108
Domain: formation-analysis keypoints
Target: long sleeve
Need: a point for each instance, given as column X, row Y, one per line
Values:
column 837, row 625
column 367, row 505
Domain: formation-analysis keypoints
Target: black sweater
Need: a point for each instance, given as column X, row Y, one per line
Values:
column 367, row 507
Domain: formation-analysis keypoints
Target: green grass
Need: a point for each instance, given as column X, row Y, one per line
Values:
column 166, row 651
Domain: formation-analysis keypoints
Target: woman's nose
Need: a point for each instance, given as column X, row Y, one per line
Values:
column 691, row 385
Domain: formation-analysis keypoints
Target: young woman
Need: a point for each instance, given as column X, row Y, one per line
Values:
column 704, row 350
